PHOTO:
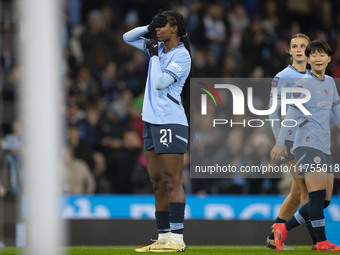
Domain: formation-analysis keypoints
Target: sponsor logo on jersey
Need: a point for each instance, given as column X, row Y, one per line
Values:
column 177, row 66
column 307, row 138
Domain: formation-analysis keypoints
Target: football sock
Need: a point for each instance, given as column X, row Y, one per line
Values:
column 309, row 224
column 326, row 203
column 298, row 218
column 162, row 222
column 176, row 217
column 315, row 209
column 278, row 220
column 311, row 231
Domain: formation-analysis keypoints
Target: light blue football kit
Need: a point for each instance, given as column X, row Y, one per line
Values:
column 165, row 80
column 287, row 78
column 313, row 130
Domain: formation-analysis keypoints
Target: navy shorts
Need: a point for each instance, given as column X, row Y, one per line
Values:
column 290, row 157
column 312, row 160
column 165, row 138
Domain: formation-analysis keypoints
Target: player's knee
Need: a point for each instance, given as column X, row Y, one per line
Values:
column 156, row 183
column 171, row 182
column 326, row 203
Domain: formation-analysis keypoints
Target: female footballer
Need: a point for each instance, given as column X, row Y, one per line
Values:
column 298, row 193
column 165, row 129
column 312, row 145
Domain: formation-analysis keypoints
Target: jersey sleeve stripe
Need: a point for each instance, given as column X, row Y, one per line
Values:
column 172, row 74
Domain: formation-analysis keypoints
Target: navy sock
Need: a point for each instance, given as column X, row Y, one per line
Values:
column 278, row 220
column 298, row 218
column 315, row 208
column 326, row 203
column 162, row 221
column 311, row 231
column 177, row 217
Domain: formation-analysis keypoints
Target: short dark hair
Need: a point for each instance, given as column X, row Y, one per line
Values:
column 320, row 46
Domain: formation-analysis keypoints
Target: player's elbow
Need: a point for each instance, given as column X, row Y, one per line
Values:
column 158, row 85
column 126, row 37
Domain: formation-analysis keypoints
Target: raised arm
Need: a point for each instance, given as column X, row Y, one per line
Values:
column 134, row 37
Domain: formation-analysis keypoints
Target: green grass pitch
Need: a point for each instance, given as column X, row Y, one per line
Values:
column 199, row 250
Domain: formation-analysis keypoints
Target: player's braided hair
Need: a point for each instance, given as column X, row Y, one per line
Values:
column 177, row 19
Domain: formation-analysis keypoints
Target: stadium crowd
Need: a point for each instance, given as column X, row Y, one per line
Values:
column 104, row 82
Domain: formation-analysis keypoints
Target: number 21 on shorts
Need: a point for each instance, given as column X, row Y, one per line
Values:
column 166, row 136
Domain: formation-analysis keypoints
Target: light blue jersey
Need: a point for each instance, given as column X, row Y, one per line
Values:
column 313, row 130
column 287, row 78
column 162, row 105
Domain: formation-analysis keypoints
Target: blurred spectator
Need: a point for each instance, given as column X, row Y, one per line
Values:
column 81, row 150
column 78, row 178
column 278, row 60
column 232, row 154
column 8, row 97
column 103, row 185
column 134, row 73
column 96, row 42
column 195, row 26
column 87, row 88
column 230, row 67
column 88, row 126
column 108, row 79
column 123, row 161
column 11, row 175
column 216, row 29
column 238, row 21
column 135, row 115
column 260, row 156
column 205, row 64
column 140, row 180
column 74, row 114
column 255, row 46
column 186, row 174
